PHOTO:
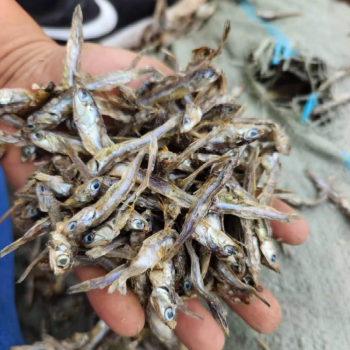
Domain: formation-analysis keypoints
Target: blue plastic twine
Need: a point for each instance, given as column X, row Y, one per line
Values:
column 310, row 104
column 283, row 44
column 346, row 158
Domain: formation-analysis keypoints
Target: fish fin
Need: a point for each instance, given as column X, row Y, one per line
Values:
column 33, row 263
column 182, row 306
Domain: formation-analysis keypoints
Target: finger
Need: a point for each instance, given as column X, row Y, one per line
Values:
column 199, row 334
column 293, row 233
column 122, row 313
column 259, row 316
column 115, row 59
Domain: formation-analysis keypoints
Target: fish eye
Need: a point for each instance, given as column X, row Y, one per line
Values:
column 230, row 109
column 29, row 125
column 25, row 151
column 41, row 189
column 31, row 211
column 186, row 121
column 138, row 224
column 206, row 52
column 149, row 221
column 83, row 95
column 96, row 185
column 73, row 125
column 38, row 136
column 169, row 314
column 72, row 225
column 95, row 167
column 249, row 281
column 252, row 134
column 89, row 238
column 230, row 250
column 63, row 260
column 273, row 258
column 187, row 286
column 210, row 74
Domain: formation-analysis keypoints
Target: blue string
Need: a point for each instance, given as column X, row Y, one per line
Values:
column 277, row 54
column 283, row 43
column 346, row 160
column 310, row 105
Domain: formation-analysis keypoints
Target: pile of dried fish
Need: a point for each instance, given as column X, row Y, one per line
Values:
column 163, row 192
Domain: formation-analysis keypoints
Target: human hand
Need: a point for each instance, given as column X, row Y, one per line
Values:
column 124, row 313
column 31, row 57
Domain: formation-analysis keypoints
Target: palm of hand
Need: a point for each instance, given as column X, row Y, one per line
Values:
column 124, row 313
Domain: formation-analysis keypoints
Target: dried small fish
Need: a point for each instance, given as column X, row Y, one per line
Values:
column 326, row 190
column 16, row 139
column 51, row 114
column 52, row 142
column 74, row 47
column 12, row 120
column 174, row 155
column 10, row 96
column 88, row 121
column 102, row 209
column 55, row 183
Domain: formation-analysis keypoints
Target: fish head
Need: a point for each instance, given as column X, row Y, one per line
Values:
column 82, row 100
column 139, row 225
column 89, row 190
column 44, row 195
column 187, row 285
column 268, row 251
column 31, row 125
column 163, row 332
column 202, row 54
column 95, row 166
column 28, row 153
column 70, row 123
column 147, row 215
column 79, row 223
column 40, row 139
column 230, row 253
column 192, row 117
column 29, row 212
column 229, row 108
column 252, row 133
column 99, row 236
column 137, row 222
column 164, row 305
column 204, row 77
column 60, row 253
